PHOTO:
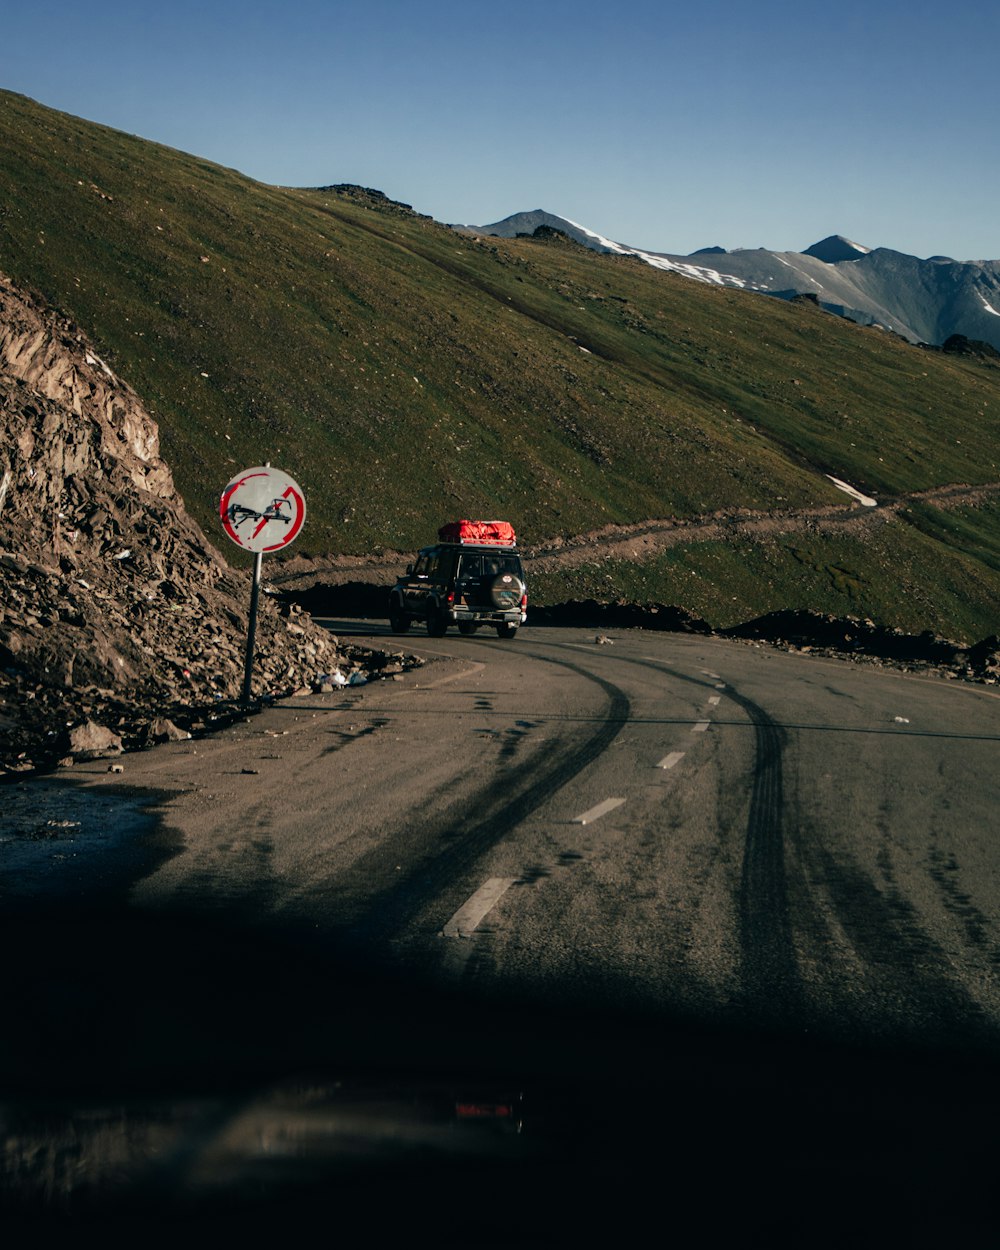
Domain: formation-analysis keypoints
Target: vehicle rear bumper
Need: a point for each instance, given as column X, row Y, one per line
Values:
column 487, row 617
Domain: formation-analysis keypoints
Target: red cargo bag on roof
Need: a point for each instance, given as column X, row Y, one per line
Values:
column 482, row 533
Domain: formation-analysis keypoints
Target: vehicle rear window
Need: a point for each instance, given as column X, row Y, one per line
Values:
column 476, row 564
column 492, row 565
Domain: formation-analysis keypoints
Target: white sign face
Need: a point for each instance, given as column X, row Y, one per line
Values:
column 262, row 509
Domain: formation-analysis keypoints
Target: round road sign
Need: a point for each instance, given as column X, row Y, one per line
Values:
column 262, row 509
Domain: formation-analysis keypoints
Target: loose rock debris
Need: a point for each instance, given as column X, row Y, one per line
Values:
column 121, row 625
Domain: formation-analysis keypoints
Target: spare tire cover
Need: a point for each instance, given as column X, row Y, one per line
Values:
column 506, row 591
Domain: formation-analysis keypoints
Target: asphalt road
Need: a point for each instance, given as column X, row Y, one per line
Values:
column 741, row 885
column 665, row 821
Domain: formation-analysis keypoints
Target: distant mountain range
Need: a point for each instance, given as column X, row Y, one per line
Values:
column 925, row 301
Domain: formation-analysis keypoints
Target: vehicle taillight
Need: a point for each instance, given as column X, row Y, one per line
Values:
column 451, row 596
column 524, row 602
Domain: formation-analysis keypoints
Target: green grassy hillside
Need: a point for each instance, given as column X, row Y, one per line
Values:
column 406, row 374
column 897, row 573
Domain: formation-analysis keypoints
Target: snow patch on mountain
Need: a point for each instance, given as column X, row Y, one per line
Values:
column 865, row 500
column 925, row 301
column 701, row 272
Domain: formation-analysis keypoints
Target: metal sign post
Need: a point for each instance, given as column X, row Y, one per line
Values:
column 262, row 509
column 258, row 561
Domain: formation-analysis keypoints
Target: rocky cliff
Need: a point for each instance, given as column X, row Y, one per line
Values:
column 120, row 623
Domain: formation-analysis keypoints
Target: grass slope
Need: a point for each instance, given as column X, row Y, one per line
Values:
column 897, row 573
column 406, row 374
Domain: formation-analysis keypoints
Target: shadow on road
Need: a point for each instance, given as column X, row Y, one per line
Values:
column 181, row 1067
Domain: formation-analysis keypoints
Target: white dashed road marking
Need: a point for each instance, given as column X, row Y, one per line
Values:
column 470, row 914
column 714, row 700
column 595, row 813
column 700, row 728
column 670, row 760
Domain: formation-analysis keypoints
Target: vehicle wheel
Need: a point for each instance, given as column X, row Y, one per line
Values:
column 506, row 631
column 399, row 622
column 437, row 623
column 467, row 627
column 506, row 591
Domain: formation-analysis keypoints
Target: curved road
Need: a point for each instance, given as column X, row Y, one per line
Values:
column 653, row 821
column 723, row 920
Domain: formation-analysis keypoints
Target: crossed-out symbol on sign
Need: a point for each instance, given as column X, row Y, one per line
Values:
column 257, row 497
column 238, row 513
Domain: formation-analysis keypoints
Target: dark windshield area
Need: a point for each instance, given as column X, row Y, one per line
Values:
column 477, row 564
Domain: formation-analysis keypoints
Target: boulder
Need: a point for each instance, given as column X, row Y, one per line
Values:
column 91, row 741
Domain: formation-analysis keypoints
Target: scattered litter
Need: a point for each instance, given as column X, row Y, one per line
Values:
column 250, row 772
column 116, row 768
column 901, row 720
column 603, row 640
column 358, row 679
column 325, row 683
column 124, row 555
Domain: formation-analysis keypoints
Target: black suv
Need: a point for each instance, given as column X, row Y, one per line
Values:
column 461, row 583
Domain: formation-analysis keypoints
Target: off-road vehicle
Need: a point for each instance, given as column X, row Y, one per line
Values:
column 472, row 577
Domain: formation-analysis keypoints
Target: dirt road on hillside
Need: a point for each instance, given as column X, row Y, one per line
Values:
column 643, row 540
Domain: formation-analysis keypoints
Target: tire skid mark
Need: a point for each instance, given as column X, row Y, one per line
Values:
column 909, row 988
column 769, row 972
column 390, row 911
column 976, row 926
column 906, row 967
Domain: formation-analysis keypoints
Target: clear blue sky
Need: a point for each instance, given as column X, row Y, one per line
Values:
column 665, row 126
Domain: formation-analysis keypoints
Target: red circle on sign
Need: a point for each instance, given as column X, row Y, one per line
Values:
column 262, row 509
